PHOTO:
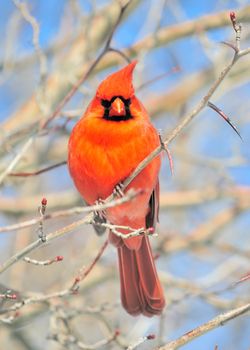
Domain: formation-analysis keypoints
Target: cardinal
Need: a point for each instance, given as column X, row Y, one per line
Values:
column 113, row 136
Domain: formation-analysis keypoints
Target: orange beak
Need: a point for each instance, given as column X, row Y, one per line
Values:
column 117, row 108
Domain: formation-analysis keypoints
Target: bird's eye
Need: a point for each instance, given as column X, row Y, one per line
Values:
column 106, row 103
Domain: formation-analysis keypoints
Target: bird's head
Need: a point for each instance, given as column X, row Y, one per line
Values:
column 115, row 94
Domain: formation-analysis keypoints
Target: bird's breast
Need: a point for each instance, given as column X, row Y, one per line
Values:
column 104, row 153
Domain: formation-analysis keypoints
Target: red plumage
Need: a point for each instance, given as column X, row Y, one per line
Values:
column 105, row 146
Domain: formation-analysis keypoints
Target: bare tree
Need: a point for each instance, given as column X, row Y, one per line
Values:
column 59, row 286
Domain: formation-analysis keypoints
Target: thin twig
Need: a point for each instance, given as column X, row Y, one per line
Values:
column 44, row 262
column 140, row 341
column 216, row 322
column 132, row 232
column 38, row 172
column 131, row 194
column 83, row 274
column 17, row 158
column 224, row 116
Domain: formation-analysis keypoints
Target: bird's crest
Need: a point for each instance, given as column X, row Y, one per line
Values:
column 118, row 83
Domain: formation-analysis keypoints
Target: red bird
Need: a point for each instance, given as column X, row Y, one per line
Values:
column 105, row 146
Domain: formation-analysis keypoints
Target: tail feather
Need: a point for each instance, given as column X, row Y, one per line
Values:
column 141, row 291
column 149, row 280
column 130, row 294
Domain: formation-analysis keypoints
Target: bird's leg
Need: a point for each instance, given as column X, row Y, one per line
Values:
column 99, row 218
column 100, row 213
column 118, row 190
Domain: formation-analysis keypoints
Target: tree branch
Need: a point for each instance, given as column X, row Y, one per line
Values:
column 216, row 322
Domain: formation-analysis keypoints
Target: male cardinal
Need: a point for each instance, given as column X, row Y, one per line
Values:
column 110, row 140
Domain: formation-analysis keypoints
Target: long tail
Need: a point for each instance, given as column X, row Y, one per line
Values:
column 141, row 291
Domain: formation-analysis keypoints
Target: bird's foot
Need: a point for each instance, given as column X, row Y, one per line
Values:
column 99, row 219
column 118, row 190
column 100, row 213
